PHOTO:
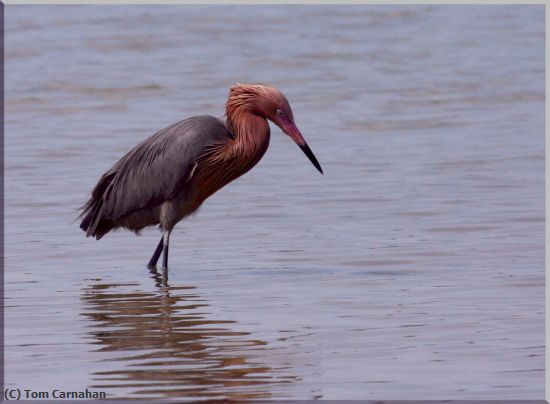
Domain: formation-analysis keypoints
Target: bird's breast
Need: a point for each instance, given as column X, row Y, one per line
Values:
column 224, row 164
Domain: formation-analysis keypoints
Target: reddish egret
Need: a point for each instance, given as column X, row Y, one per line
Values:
column 169, row 175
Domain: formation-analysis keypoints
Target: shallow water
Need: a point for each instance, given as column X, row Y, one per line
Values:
column 414, row 268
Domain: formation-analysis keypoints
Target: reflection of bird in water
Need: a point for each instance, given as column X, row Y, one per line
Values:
column 169, row 349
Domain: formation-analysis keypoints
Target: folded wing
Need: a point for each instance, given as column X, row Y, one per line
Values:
column 152, row 172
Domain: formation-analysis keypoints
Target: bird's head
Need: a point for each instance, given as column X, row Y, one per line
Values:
column 269, row 103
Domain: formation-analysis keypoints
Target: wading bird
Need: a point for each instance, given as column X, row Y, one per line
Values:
column 169, row 175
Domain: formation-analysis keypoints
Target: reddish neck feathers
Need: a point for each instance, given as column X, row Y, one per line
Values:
column 229, row 160
column 251, row 130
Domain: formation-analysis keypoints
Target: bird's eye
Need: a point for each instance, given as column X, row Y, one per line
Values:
column 280, row 113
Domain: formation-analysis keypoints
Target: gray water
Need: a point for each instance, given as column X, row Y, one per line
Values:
column 414, row 268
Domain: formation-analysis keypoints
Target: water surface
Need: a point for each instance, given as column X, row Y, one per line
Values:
column 414, row 268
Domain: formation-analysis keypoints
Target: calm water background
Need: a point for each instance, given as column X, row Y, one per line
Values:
column 414, row 268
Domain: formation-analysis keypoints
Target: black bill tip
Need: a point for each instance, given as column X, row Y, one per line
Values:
column 307, row 151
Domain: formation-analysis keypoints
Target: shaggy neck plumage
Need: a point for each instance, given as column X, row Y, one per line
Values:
column 250, row 129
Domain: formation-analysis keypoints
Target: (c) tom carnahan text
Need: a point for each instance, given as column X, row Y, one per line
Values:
column 25, row 394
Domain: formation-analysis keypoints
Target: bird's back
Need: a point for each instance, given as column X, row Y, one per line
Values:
column 154, row 171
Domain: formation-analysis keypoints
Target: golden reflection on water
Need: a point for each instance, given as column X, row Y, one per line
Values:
column 167, row 348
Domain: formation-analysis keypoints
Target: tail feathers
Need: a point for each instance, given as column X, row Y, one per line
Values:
column 94, row 224
column 85, row 224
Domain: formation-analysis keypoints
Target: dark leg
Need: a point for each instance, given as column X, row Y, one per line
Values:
column 156, row 255
column 164, row 276
column 166, row 239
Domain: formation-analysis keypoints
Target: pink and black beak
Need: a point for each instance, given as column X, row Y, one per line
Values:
column 291, row 130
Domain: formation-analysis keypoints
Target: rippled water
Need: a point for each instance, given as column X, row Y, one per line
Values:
column 414, row 268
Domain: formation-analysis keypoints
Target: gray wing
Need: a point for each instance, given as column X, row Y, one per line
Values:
column 153, row 171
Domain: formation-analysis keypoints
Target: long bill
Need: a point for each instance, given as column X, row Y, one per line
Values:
column 292, row 131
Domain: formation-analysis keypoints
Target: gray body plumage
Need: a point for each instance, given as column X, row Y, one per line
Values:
column 151, row 183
